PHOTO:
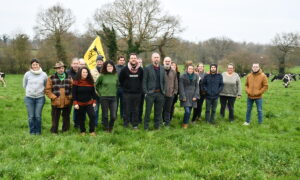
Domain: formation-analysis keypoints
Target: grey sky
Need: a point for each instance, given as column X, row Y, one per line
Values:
column 241, row 20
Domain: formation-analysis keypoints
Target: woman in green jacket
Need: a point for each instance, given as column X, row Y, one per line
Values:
column 106, row 87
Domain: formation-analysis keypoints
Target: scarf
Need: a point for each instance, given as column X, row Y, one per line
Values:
column 61, row 76
column 36, row 72
column 190, row 76
column 133, row 69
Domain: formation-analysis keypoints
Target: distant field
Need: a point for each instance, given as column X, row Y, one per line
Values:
column 222, row 151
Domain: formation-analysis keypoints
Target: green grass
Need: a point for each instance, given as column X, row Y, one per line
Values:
column 203, row 151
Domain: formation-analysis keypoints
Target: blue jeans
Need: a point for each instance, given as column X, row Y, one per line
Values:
column 34, row 109
column 258, row 103
column 187, row 114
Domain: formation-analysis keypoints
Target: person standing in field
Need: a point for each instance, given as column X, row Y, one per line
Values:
column 256, row 85
column 175, row 99
column 59, row 89
column 198, row 111
column 34, row 82
column 72, row 72
column 96, row 72
column 171, row 90
column 131, row 79
column 106, row 86
column 189, row 92
column 232, row 90
column 84, row 99
column 120, row 102
column 154, row 83
column 212, row 85
column 141, row 108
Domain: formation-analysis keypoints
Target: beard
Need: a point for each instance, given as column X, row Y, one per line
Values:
column 167, row 66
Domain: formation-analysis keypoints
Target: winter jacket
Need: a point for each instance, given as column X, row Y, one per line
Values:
column 188, row 89
column 171, row 83
column 213, row 85
column 149, row 79
column 59, row 91
column 256, row 84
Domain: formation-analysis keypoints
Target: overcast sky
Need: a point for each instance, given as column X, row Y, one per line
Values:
column 240, row 20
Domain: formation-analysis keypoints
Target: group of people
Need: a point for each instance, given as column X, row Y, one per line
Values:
column 127, row 86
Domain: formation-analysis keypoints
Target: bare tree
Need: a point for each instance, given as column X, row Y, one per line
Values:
column 138, row 21
column 285, row 43
column 54, row 22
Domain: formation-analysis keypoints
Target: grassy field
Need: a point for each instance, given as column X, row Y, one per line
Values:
column 222, row 151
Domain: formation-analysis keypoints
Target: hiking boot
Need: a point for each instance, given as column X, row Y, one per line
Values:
column 82, row 134
column 185, row 126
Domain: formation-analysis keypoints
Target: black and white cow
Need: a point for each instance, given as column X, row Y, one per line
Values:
column 242, row 75
column 286, row 80
column 2, row 79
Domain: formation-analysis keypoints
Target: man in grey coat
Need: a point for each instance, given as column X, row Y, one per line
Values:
column 171, row 90
column 154, row 88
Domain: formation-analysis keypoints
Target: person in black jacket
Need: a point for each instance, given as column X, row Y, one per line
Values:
column 131, row 79
column 84, row 96
column 212, row 85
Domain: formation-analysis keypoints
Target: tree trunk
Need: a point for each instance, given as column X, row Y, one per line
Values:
column 60, row 51
column 281, row 64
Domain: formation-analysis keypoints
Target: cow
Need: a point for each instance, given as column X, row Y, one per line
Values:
column 242, row 75
column 2, row 79
column 277, row 77
column 268, row 74
column 286, row 80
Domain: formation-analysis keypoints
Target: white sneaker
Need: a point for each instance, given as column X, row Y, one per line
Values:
column 246, row 124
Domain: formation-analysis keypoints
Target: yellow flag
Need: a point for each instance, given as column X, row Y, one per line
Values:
column 91, row 54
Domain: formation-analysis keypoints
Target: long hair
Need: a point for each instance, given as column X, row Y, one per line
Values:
column 89, row 77
column 104, row 68
column 176, row 66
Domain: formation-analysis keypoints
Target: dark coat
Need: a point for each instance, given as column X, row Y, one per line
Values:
column 188, row 90
column 149, row 79
column 213, row 85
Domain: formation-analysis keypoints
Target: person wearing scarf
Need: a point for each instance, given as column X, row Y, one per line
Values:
column 188, row 93
column 131, row 79
column 34, row 82
column 59, row 91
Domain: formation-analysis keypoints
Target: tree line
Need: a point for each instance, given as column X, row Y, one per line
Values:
column 139, row 26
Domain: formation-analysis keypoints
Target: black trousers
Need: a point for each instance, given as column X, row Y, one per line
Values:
column 198, row 111
column 156, row 99
column 141, row 108
column 132, row 109
column 167, row 110
column 89, row 109
column 229, row 102
column 56, row 113
column 175, row 99
column 108, row 104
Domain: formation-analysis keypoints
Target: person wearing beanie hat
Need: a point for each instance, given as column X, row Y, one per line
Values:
column 212, row 85
column 95, row 74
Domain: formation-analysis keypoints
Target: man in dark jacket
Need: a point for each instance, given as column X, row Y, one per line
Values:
column 131, row 79
column 119, row 67
column 212, row 85
column 154, row 88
